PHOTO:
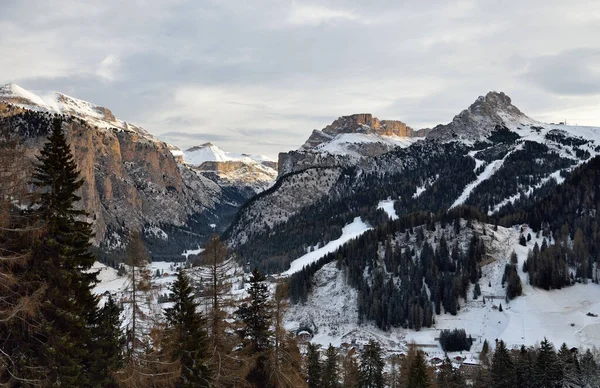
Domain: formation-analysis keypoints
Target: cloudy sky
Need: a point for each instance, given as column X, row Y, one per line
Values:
column 257, row 76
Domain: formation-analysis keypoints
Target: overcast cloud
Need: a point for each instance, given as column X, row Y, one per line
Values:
column 257, row 76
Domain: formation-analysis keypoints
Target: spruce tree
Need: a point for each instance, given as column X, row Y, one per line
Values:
column 329, row 379
column 371, row 366
column 546, row 370
column 418, row 376
column 109, row 345
column 255, row 319
column 61, row 259
column 187, row 337
column 503, row 371
column 313, row 366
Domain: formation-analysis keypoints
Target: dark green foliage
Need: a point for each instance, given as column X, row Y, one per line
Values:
column 503, row 371
column 255, row 315
column 418, row 376
column 61, row 259
column 313, row 367
column 450, row 377
column 186, row 332
column 455, row 340
column 109, row 344
column 330, row 376
column 371, row 366
column 501, row 134
column 511, row 277
column 547, row 371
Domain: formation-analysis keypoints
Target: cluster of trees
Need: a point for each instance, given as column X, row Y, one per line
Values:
column 455, row 340
column 538, row 367
column 357, row 194
column 54, row 330
column 408, row 281
column 520, row 171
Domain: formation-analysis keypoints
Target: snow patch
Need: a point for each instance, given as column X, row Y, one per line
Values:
column 388, row 207
column 350, row 231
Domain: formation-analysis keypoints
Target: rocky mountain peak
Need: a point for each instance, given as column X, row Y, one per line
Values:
column 362, row 123
column 480, row 119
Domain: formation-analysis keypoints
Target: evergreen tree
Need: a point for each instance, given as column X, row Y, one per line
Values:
column 524, row 368
column 569, row 376
column 255, row 319
column 503, row 371
column 61, row 259
column 313, row 366
column 448, row 376
column 330, row 376
column 418, row 376
column 109, row 345
column 371, row 366
column 589, row 370
column 546, row 370
column 187, row 335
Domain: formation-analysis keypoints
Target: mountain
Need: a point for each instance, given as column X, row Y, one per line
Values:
column 251, row 173
column 132, row 180
column 348, row 140
column 491, row 157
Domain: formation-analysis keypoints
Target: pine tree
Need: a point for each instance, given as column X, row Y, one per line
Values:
column 109, row 345
column 187, row 335
column 61, row 259
column 589, row 370
column 313, row 366
column 569, row 376
column 503, row 371
column 371, row 366
column 546, row 370
column 418, row 376
column 255, row 319
column 330, row 376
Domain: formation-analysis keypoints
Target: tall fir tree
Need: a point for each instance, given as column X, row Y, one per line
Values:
column 330, row 376
column 546, row 370
column 313, row 366
column 371, row 366
column 503, row 370
column 418, row 376
column 255, row 319
column 62, row 260
column 109, row 345
column 186, row 333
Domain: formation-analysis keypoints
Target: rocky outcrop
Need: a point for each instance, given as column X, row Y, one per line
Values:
column 132, row 181
column 479, row 120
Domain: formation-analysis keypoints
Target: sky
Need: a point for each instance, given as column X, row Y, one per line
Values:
column 258, row 76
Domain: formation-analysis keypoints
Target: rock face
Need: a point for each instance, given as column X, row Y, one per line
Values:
column 480, row 119
column 246, row 173
column 132, row 180
column 348, row 140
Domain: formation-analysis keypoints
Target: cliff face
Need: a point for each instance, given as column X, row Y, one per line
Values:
column 347, row 141
column 132, row 181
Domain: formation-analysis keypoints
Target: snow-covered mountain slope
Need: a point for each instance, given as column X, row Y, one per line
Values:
column 520, row 156
column 347, row 141
column 132, row 180
column 559, row 315
column 55, row 102
column 254, row 172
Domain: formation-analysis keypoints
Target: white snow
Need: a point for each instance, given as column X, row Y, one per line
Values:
column 388, row 207
column 339, row 144
column 489, row 170
column 192, row 252
column 350, row 231
column 208, row 152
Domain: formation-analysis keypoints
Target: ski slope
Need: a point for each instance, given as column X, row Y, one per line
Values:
column 350, row 231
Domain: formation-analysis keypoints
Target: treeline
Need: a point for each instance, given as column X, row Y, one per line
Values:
column 567, row 216
column 455, row 340
column 402, row 280
column 54, row 331
column 357, row 194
